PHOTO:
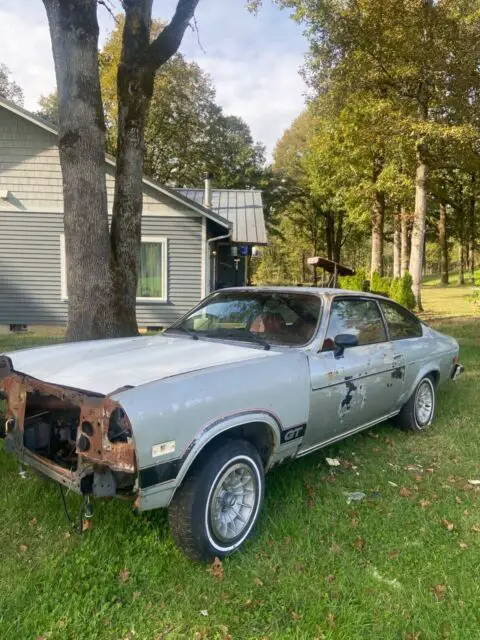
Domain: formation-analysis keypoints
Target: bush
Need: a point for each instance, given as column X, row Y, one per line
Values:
column 358, row 282
column 380, row 284
column 401, row 291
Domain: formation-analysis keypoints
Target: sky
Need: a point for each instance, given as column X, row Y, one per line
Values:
column 254, row 61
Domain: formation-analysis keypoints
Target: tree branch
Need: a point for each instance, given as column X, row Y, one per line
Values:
column 168, row 41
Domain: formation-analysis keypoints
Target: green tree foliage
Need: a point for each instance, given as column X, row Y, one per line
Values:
column 186, row 132
column 9, row 89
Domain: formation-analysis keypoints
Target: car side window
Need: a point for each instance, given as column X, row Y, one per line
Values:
column 358, row 317
column 401, row 323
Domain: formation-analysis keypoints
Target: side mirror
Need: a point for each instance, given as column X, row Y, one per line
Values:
column 344, row 341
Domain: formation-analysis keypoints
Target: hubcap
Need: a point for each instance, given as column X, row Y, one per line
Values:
column 233, row 502
column 424, row 403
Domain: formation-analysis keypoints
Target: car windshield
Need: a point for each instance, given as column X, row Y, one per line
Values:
column 264, row 317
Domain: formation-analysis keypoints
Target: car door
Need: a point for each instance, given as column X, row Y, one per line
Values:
column 358, row 387
column 409, row 346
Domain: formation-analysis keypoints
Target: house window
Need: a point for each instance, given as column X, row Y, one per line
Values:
column 152, row 272
column 152, row 269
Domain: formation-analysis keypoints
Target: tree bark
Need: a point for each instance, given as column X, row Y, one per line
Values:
column 418, row 231
column 443, row 242
column 377, row 233
column 74, row 35
column 404, row 252
column 396, row 246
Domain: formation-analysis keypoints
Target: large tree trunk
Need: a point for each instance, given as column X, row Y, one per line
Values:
column 404, row 252
column 396, row 246
column 443, row 242
column 74, row 34
column 134, row 91
column 418, row 231
column 377, row 233
column 102, row 268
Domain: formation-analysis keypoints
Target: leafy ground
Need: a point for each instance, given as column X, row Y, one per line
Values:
column 401, row 564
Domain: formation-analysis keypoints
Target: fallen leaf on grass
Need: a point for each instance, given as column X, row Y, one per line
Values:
column 204, row 612
column 418, row 478
column 67, row 535
column 458, row 500
column 249, row 602
column 476, row 528
column 413, row 636
column 430, row 470
column 359, row 543
column 423, row 504
column 87, row 525
column 216, row 569
column 124, row 575
column 296, row 616
column 354, row 522
column 333, row 462
column 474, row 483
column 330, row 578
column 393, row 484
column 463, row 545
column 331, row 620
column 448, row 525
column 393, row 554
column 371, row 434
column 136, row 595
column 439, row 590
column 258, row 582
column 33, row 522
column 335, row 548
column 22, row 548
column 405, row 492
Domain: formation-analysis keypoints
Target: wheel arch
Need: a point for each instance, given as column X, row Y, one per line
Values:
column 430, row 369
column 262, row 430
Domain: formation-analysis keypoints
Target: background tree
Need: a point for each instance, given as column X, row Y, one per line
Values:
column 9, row 89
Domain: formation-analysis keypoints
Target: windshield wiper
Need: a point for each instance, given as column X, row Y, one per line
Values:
column 248, row 336
column 182, row 329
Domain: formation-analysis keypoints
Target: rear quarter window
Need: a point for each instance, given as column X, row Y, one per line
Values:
column 401, row 323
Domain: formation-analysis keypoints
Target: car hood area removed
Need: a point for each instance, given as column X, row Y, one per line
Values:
column 103, row 366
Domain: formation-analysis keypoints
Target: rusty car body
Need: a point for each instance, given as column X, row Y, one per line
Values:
column 193, row 418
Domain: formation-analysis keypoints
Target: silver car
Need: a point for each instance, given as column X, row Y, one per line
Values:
column 193, row 418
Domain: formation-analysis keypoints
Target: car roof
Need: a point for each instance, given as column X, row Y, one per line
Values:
column 321, row 291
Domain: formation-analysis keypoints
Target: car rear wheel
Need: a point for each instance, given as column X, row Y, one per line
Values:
column 217, row 506
column 418, row 412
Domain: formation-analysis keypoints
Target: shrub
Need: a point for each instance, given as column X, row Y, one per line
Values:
column 402, row 291
column 380, row 284
column 358, row 282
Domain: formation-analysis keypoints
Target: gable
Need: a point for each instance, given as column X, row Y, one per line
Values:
column 30, row 171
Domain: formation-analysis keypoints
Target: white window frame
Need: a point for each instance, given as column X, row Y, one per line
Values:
column 147, row 239
column 63, row 269
column 164, row 242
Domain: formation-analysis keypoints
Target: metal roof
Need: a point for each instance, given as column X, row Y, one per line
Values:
column 243, row 208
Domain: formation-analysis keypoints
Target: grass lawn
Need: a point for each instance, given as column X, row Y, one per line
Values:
column 401, row 564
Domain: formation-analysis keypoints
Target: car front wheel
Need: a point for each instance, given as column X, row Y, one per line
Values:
column 418, row 412
column 217, row 506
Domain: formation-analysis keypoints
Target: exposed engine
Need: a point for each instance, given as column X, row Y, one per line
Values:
column 52, row 434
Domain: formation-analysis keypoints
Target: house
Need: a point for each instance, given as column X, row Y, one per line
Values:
column 193, row 240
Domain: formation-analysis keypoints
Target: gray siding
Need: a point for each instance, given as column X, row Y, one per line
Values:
column 31, row 222
column 30, row 274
